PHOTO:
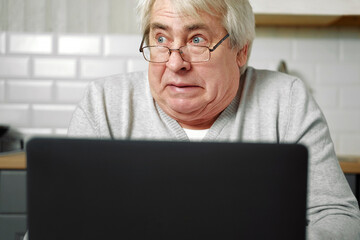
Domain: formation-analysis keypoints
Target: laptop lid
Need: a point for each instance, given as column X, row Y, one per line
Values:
column 106, row 189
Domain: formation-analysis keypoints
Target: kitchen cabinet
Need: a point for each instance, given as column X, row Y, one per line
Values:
column 13, row 212
column 307, row 12
column 12, row 204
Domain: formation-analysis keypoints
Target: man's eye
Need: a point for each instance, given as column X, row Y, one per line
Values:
column 161, row 39
column 198, row 40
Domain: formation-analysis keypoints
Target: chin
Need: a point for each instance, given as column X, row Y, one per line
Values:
column 184, row 107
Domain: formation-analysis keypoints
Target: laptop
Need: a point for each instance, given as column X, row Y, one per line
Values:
column 117, row 189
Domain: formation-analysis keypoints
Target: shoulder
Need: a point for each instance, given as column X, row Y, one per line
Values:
column 114, row 90
column 271, row 79
column 120, row 82
column 106, row 99
column 267, row 82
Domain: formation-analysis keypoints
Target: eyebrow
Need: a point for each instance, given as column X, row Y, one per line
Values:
column 197, row 26
column 188, row 28
column 156, row 25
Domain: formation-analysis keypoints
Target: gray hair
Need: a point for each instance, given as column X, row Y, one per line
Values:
column 237, row 17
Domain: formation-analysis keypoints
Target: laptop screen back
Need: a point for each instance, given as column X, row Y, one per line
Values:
column 103, row 189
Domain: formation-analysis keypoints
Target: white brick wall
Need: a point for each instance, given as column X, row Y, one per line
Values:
column 17, row 115
column 14, row 66
column 320, row 50
column 55, row 67
column 2, row 90
column 135, row 65
column 69, row 91
column 122, row 45
column 349, row 143
column 350, row 50
column 95, row 68
column 29, row 91
column 350, row 45
column 79, row 45
column 79, row 16
column 347, row 96
column 52, row 116
column 2, row 43
column 328, row 60
column 338, row 74
column 25, row 43
column 327, row 97
column 43, row 76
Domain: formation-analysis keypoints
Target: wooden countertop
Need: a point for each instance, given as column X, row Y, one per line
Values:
column 17, row 160
column 13, row 160
column 350, row 164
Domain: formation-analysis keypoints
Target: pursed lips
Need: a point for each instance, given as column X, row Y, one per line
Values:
column 183, row 87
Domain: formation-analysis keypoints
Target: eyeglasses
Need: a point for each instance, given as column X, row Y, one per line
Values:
column 189, row 53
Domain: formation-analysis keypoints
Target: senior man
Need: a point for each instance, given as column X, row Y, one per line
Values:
column 198, row 87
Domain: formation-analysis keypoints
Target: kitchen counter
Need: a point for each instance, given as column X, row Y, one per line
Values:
column 13, row 160
column 350, row 164
column 17, row 160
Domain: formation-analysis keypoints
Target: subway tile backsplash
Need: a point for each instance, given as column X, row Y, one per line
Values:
column 79, row 45
column 17, row 115
column 347, row 96
column 14, row 66
column 2, row 91
column 45, row 67
column 98, row 67
column 339, row 74
column 44, row 75
column 316, row 50
column 30, row 44
column 124, row 45
column 20, row 91
column 51, row 115
column 2, row 43
column 69, row 91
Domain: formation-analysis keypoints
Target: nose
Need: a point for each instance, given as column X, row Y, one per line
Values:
column 176, row 63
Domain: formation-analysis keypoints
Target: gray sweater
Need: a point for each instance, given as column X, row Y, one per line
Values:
column 269, row 107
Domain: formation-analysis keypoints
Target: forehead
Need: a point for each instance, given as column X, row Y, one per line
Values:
column 165, row 15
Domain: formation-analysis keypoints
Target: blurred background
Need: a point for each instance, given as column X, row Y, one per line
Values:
column 51, row 49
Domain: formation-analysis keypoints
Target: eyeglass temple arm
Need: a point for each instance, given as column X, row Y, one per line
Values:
column 218, row 44
column 141, row 45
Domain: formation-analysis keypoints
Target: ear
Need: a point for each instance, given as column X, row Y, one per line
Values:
column 241, row 57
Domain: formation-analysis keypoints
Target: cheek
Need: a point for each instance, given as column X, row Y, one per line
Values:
column 155, row 73
column 223, row 76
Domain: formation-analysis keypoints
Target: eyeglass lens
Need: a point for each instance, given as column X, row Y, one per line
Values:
column 188, row 53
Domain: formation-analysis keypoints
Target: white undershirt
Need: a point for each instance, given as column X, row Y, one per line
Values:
column 195, row 135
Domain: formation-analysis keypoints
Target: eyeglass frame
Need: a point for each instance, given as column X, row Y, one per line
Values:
column 178, row 49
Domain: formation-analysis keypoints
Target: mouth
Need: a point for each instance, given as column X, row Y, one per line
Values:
column 182, row 86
